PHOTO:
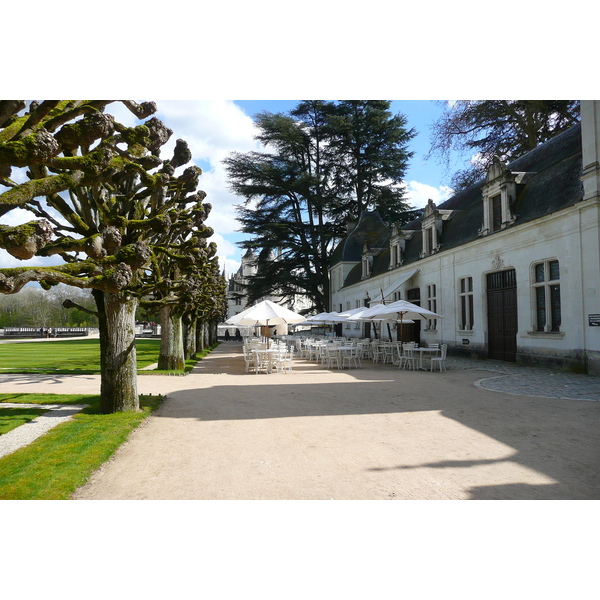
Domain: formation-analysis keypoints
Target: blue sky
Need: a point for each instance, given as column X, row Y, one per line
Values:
column 425, row 178
column 214, row 128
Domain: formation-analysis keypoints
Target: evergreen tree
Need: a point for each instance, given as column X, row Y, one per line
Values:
column 324, row 163
column 369, row 147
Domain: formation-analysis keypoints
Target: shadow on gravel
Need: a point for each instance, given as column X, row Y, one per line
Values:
column 46, row 379
column 555, row 437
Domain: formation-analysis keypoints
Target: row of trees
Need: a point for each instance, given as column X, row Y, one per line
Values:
column 326, row 162
column 127, row 224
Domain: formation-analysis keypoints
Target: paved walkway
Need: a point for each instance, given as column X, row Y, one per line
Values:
column 532, row 381
column 481, row 430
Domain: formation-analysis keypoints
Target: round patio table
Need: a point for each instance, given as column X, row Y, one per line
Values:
column 421, row 351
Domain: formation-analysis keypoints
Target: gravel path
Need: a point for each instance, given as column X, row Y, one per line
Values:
column 371, row 433
column 30, row 431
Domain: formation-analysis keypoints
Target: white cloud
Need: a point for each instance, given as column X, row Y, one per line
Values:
column 419, row 193
column 10, row 262
column 213, row 129
column 225, row 250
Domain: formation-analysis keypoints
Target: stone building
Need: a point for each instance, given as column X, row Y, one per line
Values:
column 237, row 295
column 511, row 263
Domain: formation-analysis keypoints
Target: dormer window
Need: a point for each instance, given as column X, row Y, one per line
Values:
column 431, row 227
column 499, row 194
column 368, row 256
column 395, row 255
column 398, row 245
column 366, row 266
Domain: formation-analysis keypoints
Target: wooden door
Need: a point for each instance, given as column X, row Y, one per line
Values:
column 502, row 316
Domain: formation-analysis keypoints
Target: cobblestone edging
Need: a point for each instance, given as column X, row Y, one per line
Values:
column 30, row 431
column 533, row 381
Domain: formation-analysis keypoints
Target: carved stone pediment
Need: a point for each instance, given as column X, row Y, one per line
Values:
column 496, row 170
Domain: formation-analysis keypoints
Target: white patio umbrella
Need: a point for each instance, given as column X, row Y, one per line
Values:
column 353, row 311
column 266, row 313
column 324, row 317
column 401, row 310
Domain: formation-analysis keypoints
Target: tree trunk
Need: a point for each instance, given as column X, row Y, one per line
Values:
column 118, row 383
column 206, row 335
column 189, row 330
column 200, row 336
column 171, row 356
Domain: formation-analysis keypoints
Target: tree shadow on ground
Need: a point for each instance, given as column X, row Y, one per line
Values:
column 556, row 438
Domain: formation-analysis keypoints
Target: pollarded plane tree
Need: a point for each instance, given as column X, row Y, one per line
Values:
column 208, row 307
column 102, row 196
column 178, row 280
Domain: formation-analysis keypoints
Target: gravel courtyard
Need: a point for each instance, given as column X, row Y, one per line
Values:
column 374, row 433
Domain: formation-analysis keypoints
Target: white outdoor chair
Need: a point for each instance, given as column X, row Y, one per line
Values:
column 248, row 359
column 314, row 352
column 440, row 360
column 377, row 352
column 282, row 361
column 351, row 357
column 388, row 352
column 262, row 361
column 409, row 358
column 331, row 355
column 397, row 353
column 362, row 351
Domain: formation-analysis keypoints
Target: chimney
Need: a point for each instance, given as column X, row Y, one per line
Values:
column 590, row 144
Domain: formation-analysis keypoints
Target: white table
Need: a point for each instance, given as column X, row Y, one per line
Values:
column 423, row 350
column 341, row 350
column 267, row 355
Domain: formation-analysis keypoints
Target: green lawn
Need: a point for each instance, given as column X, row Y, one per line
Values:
column 10, row 418
column 60, row 461
column 66, row 356
column 56, row 464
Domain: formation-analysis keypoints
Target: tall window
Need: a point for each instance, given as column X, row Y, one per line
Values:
column 366, row 267
column 466, row 303
column 546, row 290
column 395, row 256
column 432, row 305
column 496, row 206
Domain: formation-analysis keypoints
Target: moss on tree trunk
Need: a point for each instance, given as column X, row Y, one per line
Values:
column 190, row 347
column 116, row 317
column 171, row 356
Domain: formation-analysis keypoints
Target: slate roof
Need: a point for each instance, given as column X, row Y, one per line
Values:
column 370, row 229
column 552, row 183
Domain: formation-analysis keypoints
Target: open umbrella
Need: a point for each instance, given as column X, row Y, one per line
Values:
column 266, row 313
column 401, row 310
column 352, row 311
column 324, row 317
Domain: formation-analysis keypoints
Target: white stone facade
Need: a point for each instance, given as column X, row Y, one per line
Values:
column 552, row 243
column 237, row 296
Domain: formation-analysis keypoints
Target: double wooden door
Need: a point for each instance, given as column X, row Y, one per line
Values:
column 502, row 315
